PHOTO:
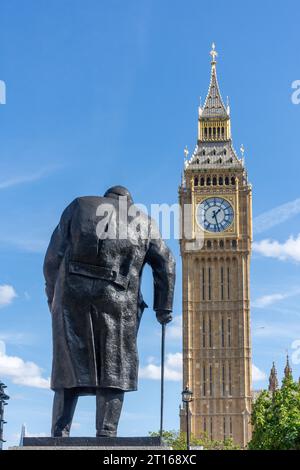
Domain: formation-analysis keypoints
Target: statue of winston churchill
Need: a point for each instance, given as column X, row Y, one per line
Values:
column 93, row 289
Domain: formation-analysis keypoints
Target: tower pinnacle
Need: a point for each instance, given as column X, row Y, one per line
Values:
column 287, row 369
column 213, row 54
column 273, row 381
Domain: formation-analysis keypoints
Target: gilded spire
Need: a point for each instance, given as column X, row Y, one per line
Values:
column 214, row 106
column 287, row 369
column 273, row 381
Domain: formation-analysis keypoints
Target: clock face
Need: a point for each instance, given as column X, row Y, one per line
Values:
column 215, row 214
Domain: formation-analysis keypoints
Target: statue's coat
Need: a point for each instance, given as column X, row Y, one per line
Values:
column 93, row 289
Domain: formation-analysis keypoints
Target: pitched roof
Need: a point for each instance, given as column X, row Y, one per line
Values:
column 214, row 105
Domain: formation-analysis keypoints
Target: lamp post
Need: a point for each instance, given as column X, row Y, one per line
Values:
column 187, row 397
column 3, row 402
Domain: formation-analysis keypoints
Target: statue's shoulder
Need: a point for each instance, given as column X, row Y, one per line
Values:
column 89, row 200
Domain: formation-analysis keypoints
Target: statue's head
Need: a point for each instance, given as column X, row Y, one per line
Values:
column 117, row 191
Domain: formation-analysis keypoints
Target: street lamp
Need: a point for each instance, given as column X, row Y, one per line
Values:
column 3, row 402
column 187, row 397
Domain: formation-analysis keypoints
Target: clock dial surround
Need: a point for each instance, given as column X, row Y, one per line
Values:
column 215, row 214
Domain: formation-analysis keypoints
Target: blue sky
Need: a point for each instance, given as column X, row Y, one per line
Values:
column 106, row 92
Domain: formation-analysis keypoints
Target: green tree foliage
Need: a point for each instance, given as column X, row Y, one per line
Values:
column 177, row 441
column 276, row 418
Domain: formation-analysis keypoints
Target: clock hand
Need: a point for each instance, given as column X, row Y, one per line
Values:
column 215, row 217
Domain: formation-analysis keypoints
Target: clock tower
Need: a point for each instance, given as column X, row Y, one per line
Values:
column 215, row 285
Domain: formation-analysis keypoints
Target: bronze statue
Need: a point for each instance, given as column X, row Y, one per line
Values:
column 93, row 290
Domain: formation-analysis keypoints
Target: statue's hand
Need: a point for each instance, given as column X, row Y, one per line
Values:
column 164, row 316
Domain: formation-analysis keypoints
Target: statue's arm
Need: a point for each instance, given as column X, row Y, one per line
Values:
column 162, row 262
column 56, row 250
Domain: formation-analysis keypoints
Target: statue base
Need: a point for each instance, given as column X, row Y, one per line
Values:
column 91, row 443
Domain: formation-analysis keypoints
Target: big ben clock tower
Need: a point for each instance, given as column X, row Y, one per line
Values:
column 216, row 296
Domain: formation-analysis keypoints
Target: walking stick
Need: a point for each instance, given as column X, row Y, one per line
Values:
column 162, row 378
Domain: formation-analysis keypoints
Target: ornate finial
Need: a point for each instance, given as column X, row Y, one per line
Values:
column 273, row 381
column 213, row 54
column 228, row 106
column 287, row 369
column 186, row 152
column 242, row 149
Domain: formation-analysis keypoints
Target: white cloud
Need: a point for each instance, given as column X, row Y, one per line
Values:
column 270, row 299
column 7, row 295
column 21, row 372
column 257, row 374
column 288, row 250
column 276, row 216
column 267, row 300
column 26, row 178
column 173, row 368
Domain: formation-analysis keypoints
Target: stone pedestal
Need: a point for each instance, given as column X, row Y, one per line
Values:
column 91, row 443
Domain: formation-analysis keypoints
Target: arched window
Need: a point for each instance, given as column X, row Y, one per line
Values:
column 202, row 182
column 197, row 161
column 208, row 181
column 227, row 181
column 233, row 180
column 208, row 244
column 205, row 131
column 214, row 181
column 230, row 160
column 214, row 131
column 214, row 151
column 196, row 181
column 225, row 152
column 209, row 131
column 221, row 243
column 218, row 132
column 221, row 181
column 203, row 152
column 220, row 161
column 208, row 160
column 223, row 131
